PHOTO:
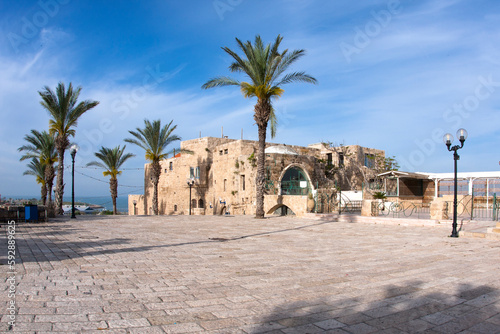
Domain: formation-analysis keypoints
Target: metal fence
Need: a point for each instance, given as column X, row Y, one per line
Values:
column 328, row 203
column 476, row 208
column 403, row 210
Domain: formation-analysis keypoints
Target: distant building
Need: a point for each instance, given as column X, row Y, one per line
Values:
column 224, row 171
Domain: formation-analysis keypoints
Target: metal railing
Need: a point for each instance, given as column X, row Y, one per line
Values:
column 403, row 210
column 476, row 208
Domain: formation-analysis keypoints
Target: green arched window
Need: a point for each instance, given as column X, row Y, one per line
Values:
column 295, row 182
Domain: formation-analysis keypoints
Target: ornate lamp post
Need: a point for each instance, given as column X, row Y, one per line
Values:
column 74, row 148
column 190, row 183
column 448, row 139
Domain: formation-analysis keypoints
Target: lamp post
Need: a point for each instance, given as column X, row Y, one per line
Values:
column 190, row 183
column 448, row 139
column 73, row 150
column 135, row 203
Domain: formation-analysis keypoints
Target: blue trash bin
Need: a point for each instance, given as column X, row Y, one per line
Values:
column 31, row 212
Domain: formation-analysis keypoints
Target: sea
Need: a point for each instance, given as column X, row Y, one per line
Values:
column 105, row 201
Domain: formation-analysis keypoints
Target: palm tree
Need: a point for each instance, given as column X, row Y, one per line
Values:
column 154, row 139
column 265, row 67
column 111, row 161
column 64, row 112
column 37, row 169
column 41, row 145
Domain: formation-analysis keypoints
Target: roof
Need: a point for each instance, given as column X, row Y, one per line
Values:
column 409, row 175
column 443, row 176
column 280, row 149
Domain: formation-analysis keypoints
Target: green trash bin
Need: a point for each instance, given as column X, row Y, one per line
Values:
column 31, row 212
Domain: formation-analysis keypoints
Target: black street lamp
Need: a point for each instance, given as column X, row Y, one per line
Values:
column 73, row 150
column 190, row 183
column 135, row 203
column 448, row 139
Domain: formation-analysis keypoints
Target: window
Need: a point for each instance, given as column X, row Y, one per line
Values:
column 225, row 183
column 220, row 152
column 226, row 151
column 295, row 182
column 329, row 159
column 369, row 160
column 200, row 203
column 171, row 165
column 175, row 207
column 193, row 204
column 194, row 172
column 341, row 159
column 242, row 182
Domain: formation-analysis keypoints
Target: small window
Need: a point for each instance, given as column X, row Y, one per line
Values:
column 243, row 182
column 369, row 160
column 201, row 203
column 220, row 152
column 341, row 159
column 194, row 172
column 171, row 165
column 175, row 207
column 225, row 183
column 226, row 151
column 193, row 204
column 329, row 159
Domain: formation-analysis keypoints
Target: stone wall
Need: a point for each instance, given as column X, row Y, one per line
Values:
column 224, row 171
column 139, row 206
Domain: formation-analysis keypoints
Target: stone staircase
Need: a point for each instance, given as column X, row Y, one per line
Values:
column 481, row 231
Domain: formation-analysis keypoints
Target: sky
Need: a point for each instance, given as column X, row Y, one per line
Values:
column 392, row 75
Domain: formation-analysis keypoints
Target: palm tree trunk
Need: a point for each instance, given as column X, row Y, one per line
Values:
column 49, row 179
column 43, row 192
column 113, row 187
column 156, row 171
column 260, row 178
column 59, row 183
column 261, row 117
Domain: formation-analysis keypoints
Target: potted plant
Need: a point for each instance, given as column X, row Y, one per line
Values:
column 380, row 196
column 310, row 202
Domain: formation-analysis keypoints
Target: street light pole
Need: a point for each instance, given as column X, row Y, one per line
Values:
column 190, row 183
column 73, row 150
column 448, row 139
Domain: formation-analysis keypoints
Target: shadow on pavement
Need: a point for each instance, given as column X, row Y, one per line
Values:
column 405, row 309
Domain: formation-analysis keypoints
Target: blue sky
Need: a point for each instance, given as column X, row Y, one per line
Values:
column 393, row 75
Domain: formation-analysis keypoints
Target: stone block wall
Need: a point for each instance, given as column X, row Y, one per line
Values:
column 224, row 171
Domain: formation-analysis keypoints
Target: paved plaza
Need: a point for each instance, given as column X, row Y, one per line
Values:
column 213, row 274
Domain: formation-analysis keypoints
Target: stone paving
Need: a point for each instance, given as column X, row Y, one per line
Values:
column 205, row 274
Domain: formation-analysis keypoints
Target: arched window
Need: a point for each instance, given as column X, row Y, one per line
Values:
column 201, row 204
column 295, row 182
column 175, row 207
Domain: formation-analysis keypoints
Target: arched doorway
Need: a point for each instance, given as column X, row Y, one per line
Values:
column 295, row 182
column 283, row 210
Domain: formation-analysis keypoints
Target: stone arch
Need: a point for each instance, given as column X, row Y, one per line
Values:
column 284, row 210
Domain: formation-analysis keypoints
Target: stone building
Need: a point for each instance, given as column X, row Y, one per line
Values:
column 224, row 172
